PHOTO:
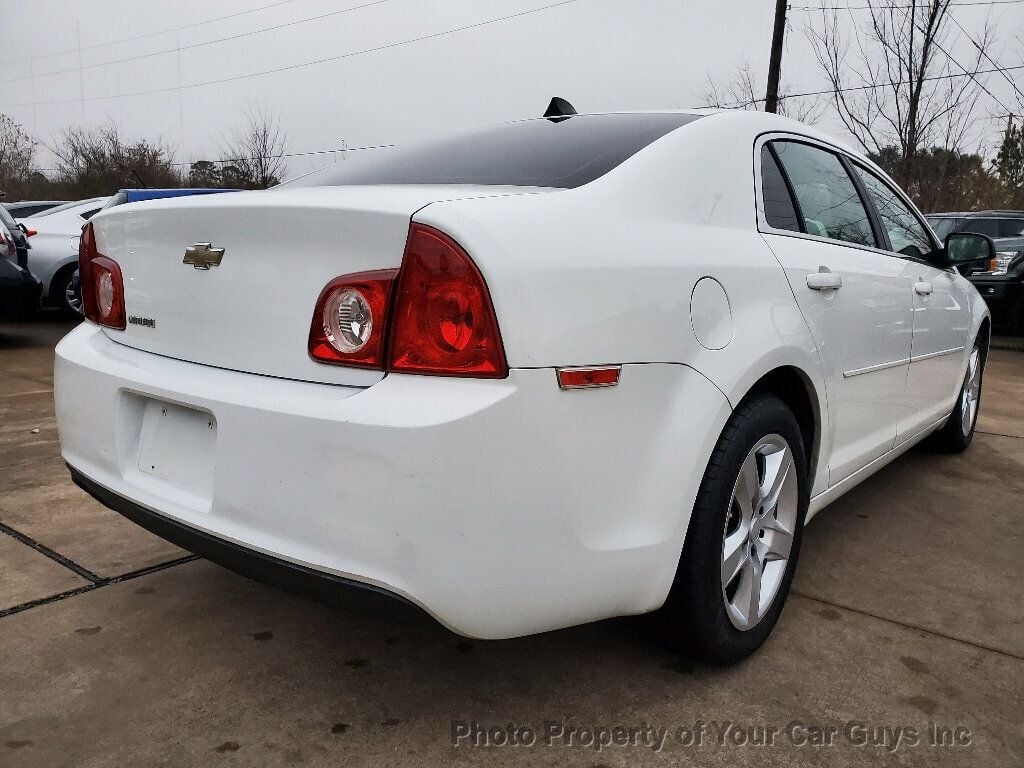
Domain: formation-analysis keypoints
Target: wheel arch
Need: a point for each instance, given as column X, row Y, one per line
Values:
column 57, row 278
column 794, row 387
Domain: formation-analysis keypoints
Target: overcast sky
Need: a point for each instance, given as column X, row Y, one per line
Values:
column 600, row 54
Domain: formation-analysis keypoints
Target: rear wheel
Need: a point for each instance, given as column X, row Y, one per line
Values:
column 958, row 432
column 744, row 537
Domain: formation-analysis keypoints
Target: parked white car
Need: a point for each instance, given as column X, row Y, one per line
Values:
column 54, row 255
column 535, row 375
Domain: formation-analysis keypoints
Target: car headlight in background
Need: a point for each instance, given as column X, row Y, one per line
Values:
column 1000, row 265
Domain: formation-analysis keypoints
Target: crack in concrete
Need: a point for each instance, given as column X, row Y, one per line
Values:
column 905, row 625
column 57, row 557
column 997, row 434
column 95, row 581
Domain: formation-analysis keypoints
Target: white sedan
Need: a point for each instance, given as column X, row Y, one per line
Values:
column 534, row 375
column 53, row 257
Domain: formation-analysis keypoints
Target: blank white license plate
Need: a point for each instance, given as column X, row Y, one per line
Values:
column 178, row 445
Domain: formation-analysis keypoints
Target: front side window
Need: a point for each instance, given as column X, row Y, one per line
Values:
column 827, row 198
column 907, row 235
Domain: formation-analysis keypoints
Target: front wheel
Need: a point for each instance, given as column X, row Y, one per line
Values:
column 744, row 537
column 958, row 432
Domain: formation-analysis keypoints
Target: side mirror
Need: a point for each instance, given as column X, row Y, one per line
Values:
column 969, row 251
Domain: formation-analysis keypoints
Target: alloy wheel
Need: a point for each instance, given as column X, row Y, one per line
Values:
column 73, row 293
column 972, row 392
column 759, row 529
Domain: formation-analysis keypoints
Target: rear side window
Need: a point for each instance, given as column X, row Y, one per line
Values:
column 566, row 152
column 907, row 235
column 943, row 225
column 779, row 210
column 992, row 227
column 1011, row 227
column 829, row 203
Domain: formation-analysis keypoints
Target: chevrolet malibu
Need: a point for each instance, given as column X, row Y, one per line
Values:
column 530, row 376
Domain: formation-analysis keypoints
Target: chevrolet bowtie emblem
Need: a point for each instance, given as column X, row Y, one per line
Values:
column 203, row 256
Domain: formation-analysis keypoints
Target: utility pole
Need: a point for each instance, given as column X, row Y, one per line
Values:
column 771, row 100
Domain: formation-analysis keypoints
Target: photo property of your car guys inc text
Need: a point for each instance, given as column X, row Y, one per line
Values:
column 511, row 382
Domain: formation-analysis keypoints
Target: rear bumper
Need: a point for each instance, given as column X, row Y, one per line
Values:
column 259, row 566
column 501, row 508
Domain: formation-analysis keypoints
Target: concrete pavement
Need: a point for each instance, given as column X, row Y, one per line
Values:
column 907, row 621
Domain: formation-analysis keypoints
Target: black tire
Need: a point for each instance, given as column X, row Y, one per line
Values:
column 63, row 283
column 954, row 436
column 694, row 619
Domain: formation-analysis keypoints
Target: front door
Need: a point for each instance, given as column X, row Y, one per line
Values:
column 942, row 317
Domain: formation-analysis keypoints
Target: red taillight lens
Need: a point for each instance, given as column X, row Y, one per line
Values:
column 31, row 232
column 432, row 316
column 102, row 284
column 443, row 322
column 350, row 321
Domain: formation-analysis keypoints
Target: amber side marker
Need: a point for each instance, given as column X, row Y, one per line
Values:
column 588, row 378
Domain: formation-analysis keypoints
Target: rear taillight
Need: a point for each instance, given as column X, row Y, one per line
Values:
column 433, row 316
column 443, row 321
column 350, row 321
column 31, row 232
column 102, row 284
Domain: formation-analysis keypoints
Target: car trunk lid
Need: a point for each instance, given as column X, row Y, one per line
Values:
column 252, row 311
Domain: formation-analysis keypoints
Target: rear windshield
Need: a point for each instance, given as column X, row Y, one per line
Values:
column 566, row 152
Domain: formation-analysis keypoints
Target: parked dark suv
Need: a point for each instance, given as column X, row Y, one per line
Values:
column 1002, row 284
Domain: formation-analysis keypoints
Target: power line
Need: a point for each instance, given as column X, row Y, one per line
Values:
column 913, row 21
column 983, row 52
column 280, row 156
column 967, row 3
column 150, row 34
column 871, row 86
column 197, row 45
column 291, row 67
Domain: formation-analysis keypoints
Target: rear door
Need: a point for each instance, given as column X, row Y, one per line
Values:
column 855, row 296
column 942, row 311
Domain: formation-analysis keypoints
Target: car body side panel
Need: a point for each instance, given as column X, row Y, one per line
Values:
column 605, row 273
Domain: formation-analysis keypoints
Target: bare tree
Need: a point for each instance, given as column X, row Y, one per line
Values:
column 894, row 83
column 98, row 161
column 16, row 153
column 253, row 155
column 740, row 91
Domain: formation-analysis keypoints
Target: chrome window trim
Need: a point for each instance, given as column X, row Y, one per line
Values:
column 767, row 229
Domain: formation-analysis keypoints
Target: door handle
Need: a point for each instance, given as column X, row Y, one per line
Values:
column 824, row 280
column 923, row 288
